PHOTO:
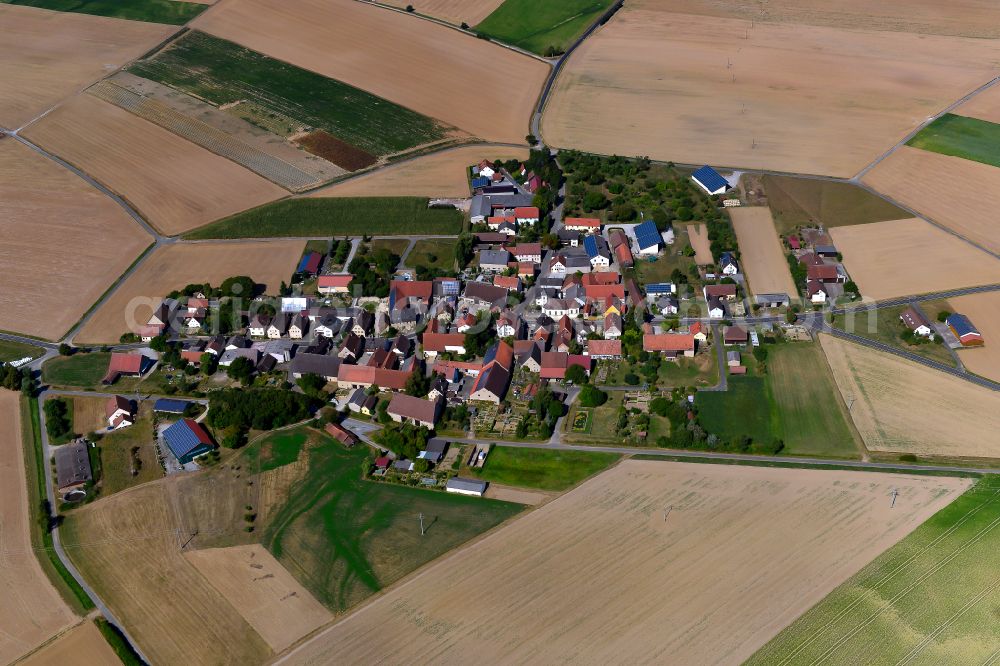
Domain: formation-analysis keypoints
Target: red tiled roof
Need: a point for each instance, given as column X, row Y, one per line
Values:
column 342, row 434
column 604, row 291
column 115, row 403
column 526, row 212
column 417, row 289
column 445, row 367
column 192, row 356
column 436, row 342
column 720, row 290
column 610, row 277
column 410, row 407
column 821, row 272
column 604, row 347
column 508, row 282
column 668, row 342
column 335, row 280
column 591, row 222
column 624, row 255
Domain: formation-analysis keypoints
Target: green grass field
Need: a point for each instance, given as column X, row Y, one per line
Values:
column 802, row 201
column 747, row 408
column 171, row 12
column 930, row 599
column 12, row 351
column 345, row 538
column 222, row 72
column 813, row 416
column 885, row 326
column 395, row 245
column 545, row 470
column 432, row 253
column 538, row 25
column 960, row 136
column 82, row 370
column 116, row 456
column 379, row 216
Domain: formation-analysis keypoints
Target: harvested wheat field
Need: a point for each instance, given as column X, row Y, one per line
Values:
column 907, row 257
column 83, row 644
column 905, row 407
column 53, row 219
column 949, row 190
column 48, row 56
column 985, row 106
column 174, row 266
column 440, row 175
column 428, row 68
column 31, row 610
column 88, row 414
column 772, row 95
column 984, row 311
column 761, row 253
column 175, row 184
column 452, row 11
column 600, row 575
column 274, row 603
column 128, row 546
column 698, row 235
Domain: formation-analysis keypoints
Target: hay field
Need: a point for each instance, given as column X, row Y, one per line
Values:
column 984, row 311
column 698, row 235
column 762, row 257
column 174, row 266
column 128, row 547
column 599, row 576
column 903, row 257
column 31, row 610
column 88, row 414
column 175, row 184
column 776, row 96
column 64, row 243
column 484, row 89
column 452, row 11
column 949, row 190
column 901, row 406
column 440, row 175
column 83, row 644
column 274, row 603
column 48, row 56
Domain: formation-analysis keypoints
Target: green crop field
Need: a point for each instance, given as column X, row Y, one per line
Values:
column 345, row 538
column 12, row 351
column 172, row 12
column 930, row 599
column 746, row 408
column 375, row 216
column 804, row 201
column 545, row 470
column 813, row 417
column 540, row 25
column 80, row 369
column 960, row 136
column 222, row 72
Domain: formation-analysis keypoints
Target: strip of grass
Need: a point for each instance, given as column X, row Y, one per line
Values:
column 345, row 538
column 541, row 25
column 13, row 351
column 171, row 12
column 961, row 136
column 930, row 598
column 377, row 216
column 793, row 464
column 41, row 539
column 542, row 469
column 746, row 408
column 116, row 640
column 222, row 72
column 80, row 369
column 884, row 325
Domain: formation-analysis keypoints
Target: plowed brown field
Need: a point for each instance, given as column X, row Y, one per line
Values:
column 452, row 11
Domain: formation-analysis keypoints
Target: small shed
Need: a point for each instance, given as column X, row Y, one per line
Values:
column 463, row 486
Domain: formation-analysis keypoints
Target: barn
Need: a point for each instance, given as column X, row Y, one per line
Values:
column 963, row 329
column 648, row 238
column 710, row 180
column 187, row 440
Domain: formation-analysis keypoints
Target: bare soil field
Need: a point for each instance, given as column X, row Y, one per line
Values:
column 479, row 87
column 274, row 603
column 51, row 218
column 985, row 106
column 984, row 311
column 439, row 175
column 83, row 644
column 30, row 608
column 949, row 190
column 175, row 184
column 601, row 575
column 48, row 56
column 903, row 257
column 698, row 235
column 901, row 406
column 761, row 253
column 452, row 11
column 128, row 546
column 772, row 95
column 174, row 266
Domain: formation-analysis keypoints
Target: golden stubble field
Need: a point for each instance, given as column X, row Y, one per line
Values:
column 761, row 254
column 83, row 644
column 755, row 94
column 175, row 266
column 63, row 243
column 452, row 11
column 31, row 610
column 905, row 257
column 440, row 175
column 47, row 56
column 949, row 190
column 984, row 312
column 484, row 89
column 602, row 575
column 175, row 184
column 905, row 407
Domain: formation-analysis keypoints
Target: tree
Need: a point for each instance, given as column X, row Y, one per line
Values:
column 312, row 384
column 760, row 353
column 159, row 343
column 851, row 287
column 594, row 200
column 631, row 379
column 420, row 465
column 208, row 363
column 591, row 396
column 943, row 315
column 65, row 350
column 418, row 384
column 57, row 422
column 531, row 139
column 241, row 369
column 576, row 374
column 685, row 214
column 791, row 317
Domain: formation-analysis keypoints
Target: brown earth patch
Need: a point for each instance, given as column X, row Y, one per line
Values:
column 339, row 152
column 761, row 252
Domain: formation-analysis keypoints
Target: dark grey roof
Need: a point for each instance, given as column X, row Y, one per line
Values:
column 436, row 445
column 316, row 364
column 470, row 485
column 72, row 464
column 494, row 257
column 487, row 293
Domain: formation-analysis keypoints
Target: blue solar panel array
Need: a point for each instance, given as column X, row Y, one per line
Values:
column 659, row 288
column 647, row 234
column 960, row 324
column 590, row 245
column 482, row 181
column 710, row 179
column 181, row 439
column 170, row 405
column 450, row 287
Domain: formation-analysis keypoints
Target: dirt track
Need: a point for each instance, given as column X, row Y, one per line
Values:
column 761, row 253
column 601, row 575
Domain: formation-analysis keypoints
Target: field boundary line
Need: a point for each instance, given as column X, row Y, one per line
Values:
column 992, row 659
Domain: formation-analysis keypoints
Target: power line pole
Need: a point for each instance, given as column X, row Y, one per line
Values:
column 894, row 493
column 667, row 512
column 421, row 524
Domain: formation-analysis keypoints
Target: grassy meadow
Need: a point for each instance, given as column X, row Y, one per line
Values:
column 171, row 12
column 542, row 469
column 12, row 351
column 803, row 201
column 540, row 25
column 79, row 370
column 746, row 408
column 884, row 325
column 961, row 136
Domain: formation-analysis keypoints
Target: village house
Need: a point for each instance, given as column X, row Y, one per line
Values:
column 119, row 412
column 334, row 284
column 613, row 326
column 492, row 382
column 341, row 434
column 508, row 282
column 278, row 326
column 509, row 325
column 362, row 403
column 725, row 292
column 561, row 307
column 441, row 343
column 648, row 238
column 735, row 335
column 597, row 252
column 604, row 349
column 72, row 464
column 299, row 326
column 528, row 252
column 528, row 215
column 585, row 225
column 671, row 345
column 258, row 326
column 327, row 367
column 914, row 320
column 418, row 411
column 122, row 363
column 493, row 261
column 710, row 180
column 728, row 265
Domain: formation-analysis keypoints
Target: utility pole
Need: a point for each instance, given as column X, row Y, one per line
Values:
column 667, row 512
column 894, row 494
column 421, row 524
